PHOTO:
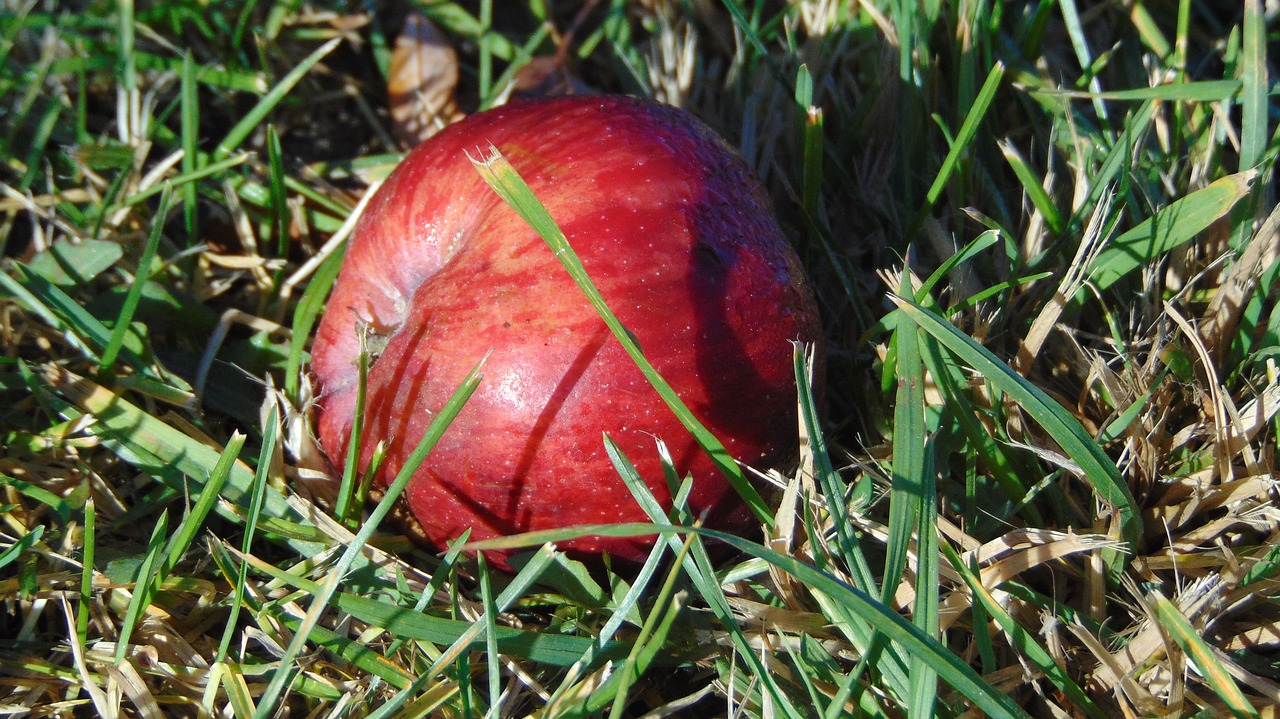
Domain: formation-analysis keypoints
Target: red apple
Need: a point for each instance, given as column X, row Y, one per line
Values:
column 678, row 237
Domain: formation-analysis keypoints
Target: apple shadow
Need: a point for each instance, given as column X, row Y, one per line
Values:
column 555, row 404
column 733, row 351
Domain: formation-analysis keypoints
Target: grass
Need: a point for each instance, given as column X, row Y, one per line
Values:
column 1041, row 477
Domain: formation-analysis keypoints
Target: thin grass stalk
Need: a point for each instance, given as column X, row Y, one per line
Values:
column 280, row 679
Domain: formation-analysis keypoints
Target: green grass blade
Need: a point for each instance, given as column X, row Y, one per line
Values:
column 1118, row 156
column 443, row 418
column 533, row 646
column 492, row 658
column 1080, row 43
column 210, row 493
column 649, row 642
column 1021, row 639
column 950, row 668
column 88, row 557
column 305, row 316
column 968, row 130
column 1168, row 228
column 18, row 548
column 1004, row 468
column 1215, row 675
column 190, row 123
column 125, row 318
column 1031, row 185
column 353, row 651
column 163, row 452
column 38, row 307
column 252, row 119
column 698, row 567
column 507, row 183
column 890, row 663
column 829, row 480
column 518, row 587
column 183, row 179
column 342, row 507
column 412, row 624
column 162, row 557
column 254, row 511
column 908, row 456
column 143, row 588
column 1098, row 469
column 1203, row 91
column 60, row 311
column 1254, row 105
column 279, row 198
column 924, row 615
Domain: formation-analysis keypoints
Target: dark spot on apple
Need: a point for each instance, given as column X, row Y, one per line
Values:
column 506, row 325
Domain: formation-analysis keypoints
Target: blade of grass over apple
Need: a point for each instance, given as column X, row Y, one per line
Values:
column 347, row 487
column 511, row 187
column 1098, row 469
column 305, row 315
column 320, row 601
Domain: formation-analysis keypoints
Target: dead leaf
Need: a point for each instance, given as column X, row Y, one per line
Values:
column 421, row 81
column 548, row 76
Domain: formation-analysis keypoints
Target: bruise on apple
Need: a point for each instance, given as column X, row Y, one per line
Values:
column 678, row 237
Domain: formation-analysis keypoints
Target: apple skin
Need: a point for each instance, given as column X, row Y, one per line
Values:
column 677, row 235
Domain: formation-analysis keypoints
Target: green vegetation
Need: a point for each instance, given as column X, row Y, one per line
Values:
column 1039, row 478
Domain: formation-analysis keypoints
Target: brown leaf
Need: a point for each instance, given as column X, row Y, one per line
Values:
column 548, row 76
column 421, row 81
